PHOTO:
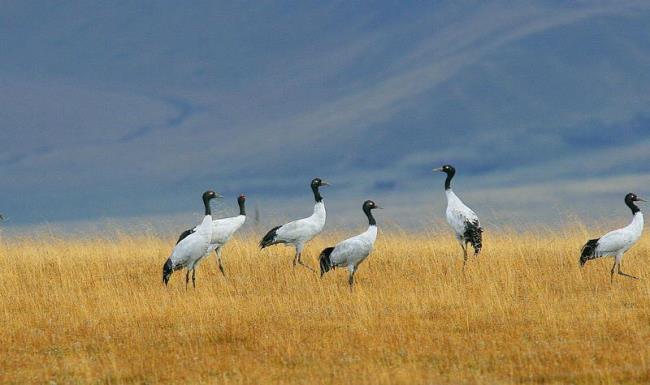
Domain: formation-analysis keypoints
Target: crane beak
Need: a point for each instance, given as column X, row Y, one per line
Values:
column 379, row 207
column 437, row 169
column 323, row 183
column 217, row 195
column 641, row 200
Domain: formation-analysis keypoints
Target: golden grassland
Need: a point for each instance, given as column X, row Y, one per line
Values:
column 94, row 311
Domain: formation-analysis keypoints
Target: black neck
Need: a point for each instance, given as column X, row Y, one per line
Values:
column 242, row 208
column 206, row 203
column 317, row 196
column 450, row 175
column 371, row 219
column 632, row 206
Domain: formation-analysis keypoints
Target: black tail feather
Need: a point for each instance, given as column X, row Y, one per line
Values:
column 474, row 235
column 325, row 262
column 588, row 251
column 184, row 235
column 168, row 269
column 269, row 238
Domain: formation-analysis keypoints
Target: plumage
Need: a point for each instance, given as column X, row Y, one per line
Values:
column 191, row 247
column 617, row 242
column 325, row 261
column 461, row 218
column 474, row 234
column 301, row 231
column 352, row 251
column 270, row 238
column 588, row 251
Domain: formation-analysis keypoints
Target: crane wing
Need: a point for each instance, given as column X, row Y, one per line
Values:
column 613, row 242
column 350, row 251
column 223, row 229
column 304, row 228
column 458, row 218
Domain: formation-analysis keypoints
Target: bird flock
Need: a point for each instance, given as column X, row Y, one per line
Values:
column 210, row 235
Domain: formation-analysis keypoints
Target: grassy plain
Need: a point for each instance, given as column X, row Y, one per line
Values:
column 94, row 311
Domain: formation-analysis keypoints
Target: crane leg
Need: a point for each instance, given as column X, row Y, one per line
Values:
column 218, row 252
column 300, row 262
column 351, row 278
column 194, row 278
column 296, row 257
column 187, row 278
column 464, row 247
column 625, row 274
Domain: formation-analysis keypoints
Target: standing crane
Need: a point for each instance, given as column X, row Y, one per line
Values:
column 352, row 251
column 461, row 218
column 617, row 242
column 301, row 231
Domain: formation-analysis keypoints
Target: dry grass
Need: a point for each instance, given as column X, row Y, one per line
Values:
column 94, row 311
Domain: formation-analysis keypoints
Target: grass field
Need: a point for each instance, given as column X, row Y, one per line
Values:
column 93, row 311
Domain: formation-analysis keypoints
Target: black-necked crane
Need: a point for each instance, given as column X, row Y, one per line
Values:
column 352, row 251
column 461, row 218
column 617, row 242
column 191, row 246
column 301, row 231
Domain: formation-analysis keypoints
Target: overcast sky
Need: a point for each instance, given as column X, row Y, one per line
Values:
column 132, row 109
